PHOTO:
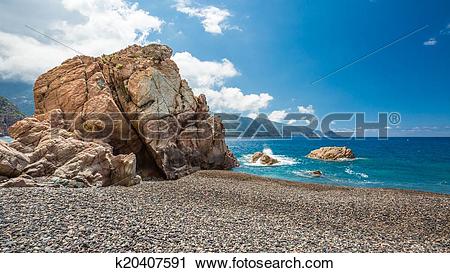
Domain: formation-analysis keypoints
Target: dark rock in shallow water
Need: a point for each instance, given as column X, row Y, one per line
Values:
column 268, row 160
column 256, row 156
column 315, row 173
column 102, row 121
column 264, row 159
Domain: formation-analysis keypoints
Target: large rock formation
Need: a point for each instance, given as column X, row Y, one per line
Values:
column 332, row 153
column 42, row 155
column 9, row 114
column 99, row 121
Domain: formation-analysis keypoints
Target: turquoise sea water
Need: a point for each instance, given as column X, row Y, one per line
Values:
column 404, row 163
column 6, row 139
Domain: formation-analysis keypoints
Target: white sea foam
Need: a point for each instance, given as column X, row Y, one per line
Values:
column 351, row 159
column 283, row 160
column 352, row 172
column 6, row 139
column 304, row 173
column 346, row 159
column 333, row 179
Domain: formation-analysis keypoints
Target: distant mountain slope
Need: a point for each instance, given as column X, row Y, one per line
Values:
column 247, row 127
column 9, row 114
column 20, row 94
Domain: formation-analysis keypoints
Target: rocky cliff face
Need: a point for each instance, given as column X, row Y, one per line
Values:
column 9, row 114
column 126, row 112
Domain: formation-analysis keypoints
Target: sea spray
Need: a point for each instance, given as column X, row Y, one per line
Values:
column 358, row 174
column 267, row 151
column 282, row 159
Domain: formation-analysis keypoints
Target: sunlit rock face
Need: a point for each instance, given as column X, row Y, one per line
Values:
column 135, row 105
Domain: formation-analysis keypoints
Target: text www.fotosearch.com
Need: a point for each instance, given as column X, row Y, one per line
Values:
column 245, row 263
column 231, row 263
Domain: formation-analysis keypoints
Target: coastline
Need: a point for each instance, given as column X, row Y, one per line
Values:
column 417, row 164
column 223, row 211
column 311, row 185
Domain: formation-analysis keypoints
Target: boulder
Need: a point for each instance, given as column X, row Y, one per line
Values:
column 256, row 156
column 268, row 160
column 12, row 162
column 315, row 173
column 332, row 153
column 264, row 159
column 58, row 158
column 19, row 182
column 113, row 119
column 145, row 107
column 124, row 171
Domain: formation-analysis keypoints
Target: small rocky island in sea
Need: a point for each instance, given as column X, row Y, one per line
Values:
column 332, row 153
column 151, row 125
column 264, row 159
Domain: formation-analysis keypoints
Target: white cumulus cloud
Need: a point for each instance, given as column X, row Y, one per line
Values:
column 213, row 18
column 278, row 115
column 208, row 77
column 233, row 99
column 252, row 115
column 306, row 110
column 104, row 26
column 24, row 58
column 204, row 73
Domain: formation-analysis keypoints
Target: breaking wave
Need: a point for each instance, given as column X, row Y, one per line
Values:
column 352, row 172
column 283, row 160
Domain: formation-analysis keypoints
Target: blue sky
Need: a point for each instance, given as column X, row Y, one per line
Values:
column 274, row 51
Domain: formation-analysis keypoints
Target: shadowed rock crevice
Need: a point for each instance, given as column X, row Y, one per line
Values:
column 123, row 114
column 147, row 166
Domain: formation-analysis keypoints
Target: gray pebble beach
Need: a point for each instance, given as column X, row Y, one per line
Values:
column 220, row 211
